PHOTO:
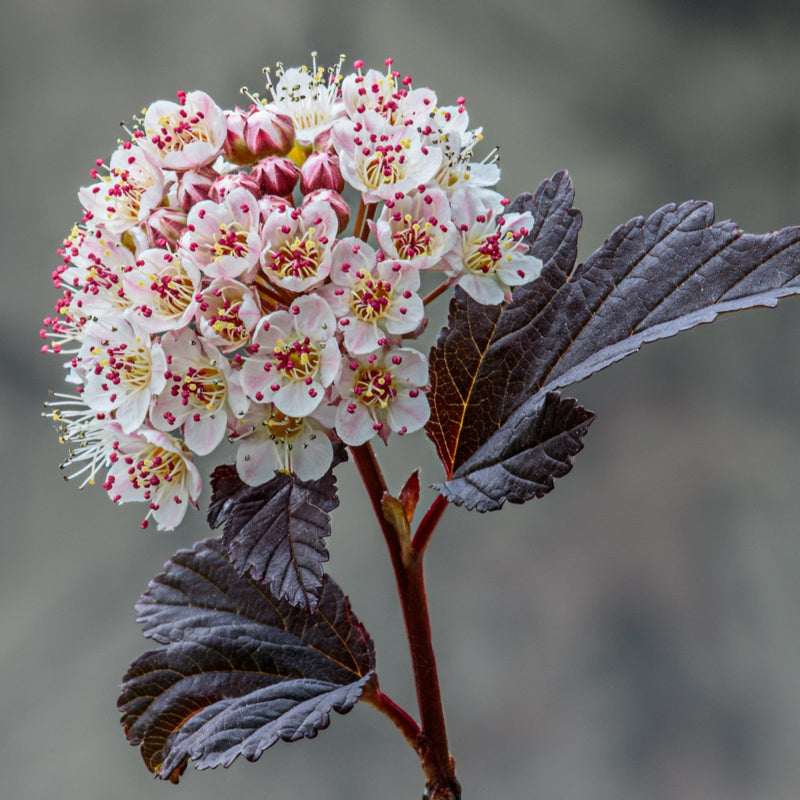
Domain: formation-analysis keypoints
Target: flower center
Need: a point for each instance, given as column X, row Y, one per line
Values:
column 102, row 285
column 310, row 99
column 226, row 322
column 373, row 387
column 177, row 132
column 231, row 241
column 128, row 365
column 383, row 166
column 126, row 191
column 298, row 360
column 413, row 240
column 202, row 387
column 174, row 291
column 282, row 427
column 153, row 467
column 370, row 298
column 299, row 258
column 482, row 258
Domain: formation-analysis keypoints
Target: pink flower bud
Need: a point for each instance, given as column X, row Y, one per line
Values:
column 276, row 175
column 268, row 204
column 335, row 201
column 235, row 147
column 234, row 180
column 165, row 226
column 194, row 186
column 268, row 133
column 323, row 142
column 321, row 171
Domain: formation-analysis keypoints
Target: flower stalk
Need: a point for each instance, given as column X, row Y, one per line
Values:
column 407, row 563
column 434, row 293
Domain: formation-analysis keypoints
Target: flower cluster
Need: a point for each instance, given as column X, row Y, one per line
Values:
column 216, row 289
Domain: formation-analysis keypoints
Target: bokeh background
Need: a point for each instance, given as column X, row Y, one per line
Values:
column 632, row 635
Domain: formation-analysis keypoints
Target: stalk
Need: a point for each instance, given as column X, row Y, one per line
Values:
column 432, row 295
column 437, row 763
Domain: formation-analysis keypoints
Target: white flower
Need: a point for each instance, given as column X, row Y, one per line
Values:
column 299, row 241
column 124, row 198
column 90, row 437
column 121, row 369
column 380, row 159
column 372, row 299
column 95, row 263
column 294, row 357
column 491, row 255
column 161, row 288
column 223, row 239
column 450, row 131
column 270, row 442
column 153, row 467
column 388, row 95
column 382, row 392
column 310, row 97
column 415, row 228
column 184, row 135
column 227, row 313
column 200, row 389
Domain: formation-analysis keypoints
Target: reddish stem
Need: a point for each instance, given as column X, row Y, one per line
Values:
column 428, row 524
column 366, row 211
column 437, row 763
column 373, row 695
column 362, row 207
column 432, row 295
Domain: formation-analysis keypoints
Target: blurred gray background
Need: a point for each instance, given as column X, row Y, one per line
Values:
column 632, row 635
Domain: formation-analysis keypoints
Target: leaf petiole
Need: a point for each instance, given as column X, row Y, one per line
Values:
column 404, row 722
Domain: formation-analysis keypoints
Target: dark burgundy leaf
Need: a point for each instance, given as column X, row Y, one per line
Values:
column 556, row 224
column 240, row 669
column 275, row 532
column 473, row 378
column 651, row 279
column 523, row 458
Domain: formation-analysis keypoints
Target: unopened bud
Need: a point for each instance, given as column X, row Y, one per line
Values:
column 270, row 203
column 235, row 180
column 321, row 171
column 335, row 201
column 235, row 147
column 323, row 141
column 165, row 226
column 194, row 186
column 276, row 175
column 268, row 133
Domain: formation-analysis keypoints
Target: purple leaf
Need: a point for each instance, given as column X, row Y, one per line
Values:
column 651, row 279
column 275, row 532
column 474, row 385
column 241, row 669
column 521, row 460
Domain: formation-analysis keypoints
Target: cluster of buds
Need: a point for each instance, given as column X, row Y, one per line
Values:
column 215, row 288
